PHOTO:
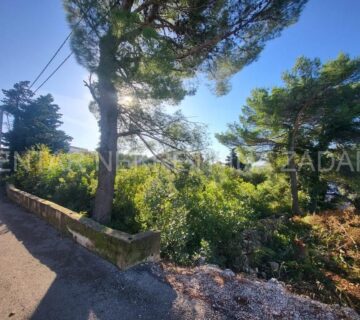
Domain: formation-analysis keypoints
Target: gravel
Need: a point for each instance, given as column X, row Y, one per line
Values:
column 238, row 297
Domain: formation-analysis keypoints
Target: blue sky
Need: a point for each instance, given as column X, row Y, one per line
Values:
column 31, row 30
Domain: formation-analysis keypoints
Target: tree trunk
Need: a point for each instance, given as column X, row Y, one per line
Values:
column 1, row 125
column 317, row 188
column 108, row 106
column 314, row 188
column 107, row 153
column 295, row 208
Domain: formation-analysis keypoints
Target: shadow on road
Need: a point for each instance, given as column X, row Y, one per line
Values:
column 87, row 287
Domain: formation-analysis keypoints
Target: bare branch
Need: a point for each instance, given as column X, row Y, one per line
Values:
column 91, row 87
column 166, row 164
column 129, row 133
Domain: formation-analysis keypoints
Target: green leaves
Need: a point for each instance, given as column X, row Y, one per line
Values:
column 123, row 22
column 218, row 38
column 149, row 33
column 35, row 120
column 318, row 106
column 149, row 50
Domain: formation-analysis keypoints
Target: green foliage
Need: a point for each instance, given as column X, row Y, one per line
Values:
column 34, row 121
column 214, row 213
column 158, row 45
column 197, row 211
column 67, row 179
column 316, row 110
column 144, row 53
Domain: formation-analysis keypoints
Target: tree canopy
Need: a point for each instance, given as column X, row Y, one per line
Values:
column 144, row 55
column 317, row 109
column 154, row 45
column 34, row 120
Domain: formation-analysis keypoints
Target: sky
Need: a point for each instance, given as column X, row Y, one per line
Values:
column 32, row 30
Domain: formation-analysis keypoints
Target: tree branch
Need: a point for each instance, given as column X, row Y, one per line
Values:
column 128, row 133
column 92, row 89
column 166, row 164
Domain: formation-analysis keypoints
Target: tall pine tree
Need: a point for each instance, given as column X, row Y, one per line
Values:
column 232, row 160
column 142, row 53
column 316, row 110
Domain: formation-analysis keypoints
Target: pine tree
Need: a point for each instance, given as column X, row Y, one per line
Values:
column 232, row 160
column 317, row 107
column 143, row 54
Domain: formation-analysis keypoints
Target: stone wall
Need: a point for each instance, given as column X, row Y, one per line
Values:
column 122, row 249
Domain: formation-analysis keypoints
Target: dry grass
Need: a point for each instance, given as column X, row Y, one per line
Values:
column 339, row 233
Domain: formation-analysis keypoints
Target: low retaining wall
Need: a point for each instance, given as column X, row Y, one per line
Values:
column 120, row 248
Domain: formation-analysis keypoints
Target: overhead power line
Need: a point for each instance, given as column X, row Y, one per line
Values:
column 58, row 50
column 55, row 54
column 57, row 68
column 51, row 60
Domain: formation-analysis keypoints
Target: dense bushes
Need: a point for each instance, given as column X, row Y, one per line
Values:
column 200, row 212
column 68, row 179
column 215, row 214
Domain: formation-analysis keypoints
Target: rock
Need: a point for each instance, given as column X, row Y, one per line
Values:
column 201, row 261
column 252, row 272
column 228, row 273
column 276, row 283
column 211, row 267
column 274, row 266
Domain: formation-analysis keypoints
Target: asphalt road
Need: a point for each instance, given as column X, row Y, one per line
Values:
column 44, row 275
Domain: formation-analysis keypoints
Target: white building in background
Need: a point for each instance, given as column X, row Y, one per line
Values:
column 74, row 149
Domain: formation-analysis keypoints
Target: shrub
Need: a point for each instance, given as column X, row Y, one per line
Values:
column 201, row 213
column 214, row 213
column 68, row 179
